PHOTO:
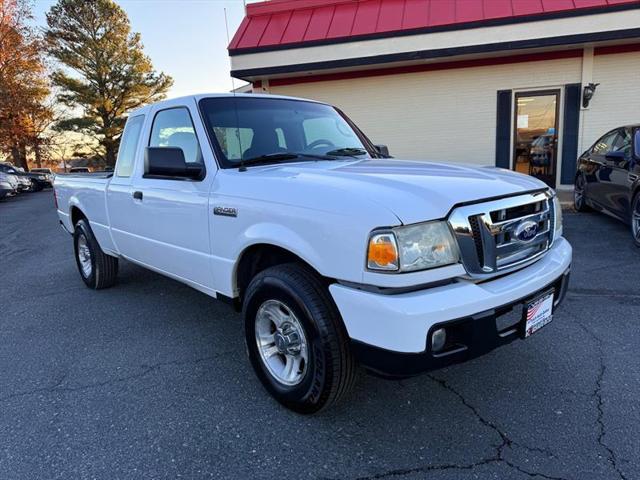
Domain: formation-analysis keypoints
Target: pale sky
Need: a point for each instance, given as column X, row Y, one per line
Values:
column 186, row 39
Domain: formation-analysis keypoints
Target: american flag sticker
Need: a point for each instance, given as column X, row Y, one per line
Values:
column 539, row 313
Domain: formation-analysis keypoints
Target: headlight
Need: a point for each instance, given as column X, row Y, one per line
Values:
column 414, row 247
column 557, row 208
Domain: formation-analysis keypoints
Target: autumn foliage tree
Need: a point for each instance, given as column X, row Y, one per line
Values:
column 104, row 73
column 24, row 88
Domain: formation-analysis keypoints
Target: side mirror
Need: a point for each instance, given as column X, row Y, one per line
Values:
column 382, row 150
column 170, row 162
column 615, row 156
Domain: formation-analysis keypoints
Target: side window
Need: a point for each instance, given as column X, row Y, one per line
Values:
column 637, row 143
column 173, row 128
column 605, row 144
column 623, row 142
column 128, row 146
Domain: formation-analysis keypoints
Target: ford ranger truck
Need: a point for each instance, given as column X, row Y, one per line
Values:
column 337, row 255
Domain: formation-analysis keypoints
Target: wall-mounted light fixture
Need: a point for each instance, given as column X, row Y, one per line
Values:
column 587, row 93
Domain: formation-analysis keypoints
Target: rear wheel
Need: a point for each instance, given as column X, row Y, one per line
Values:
column 635, row 219
column 97, row 269
column 296, row 340
column 579, row 189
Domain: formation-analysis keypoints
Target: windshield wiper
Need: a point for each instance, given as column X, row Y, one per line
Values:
column 347, row 152
column 270, row 157
column 275, row 157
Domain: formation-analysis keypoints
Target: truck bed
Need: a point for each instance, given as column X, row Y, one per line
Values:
column 88, row 190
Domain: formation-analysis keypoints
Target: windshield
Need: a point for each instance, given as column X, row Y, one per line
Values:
column 244, row 128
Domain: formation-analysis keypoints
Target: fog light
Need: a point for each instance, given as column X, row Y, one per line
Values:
column 438, row 339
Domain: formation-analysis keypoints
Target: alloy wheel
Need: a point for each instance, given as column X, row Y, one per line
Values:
column 635, row 219
column 84, row 255
column 282, row 343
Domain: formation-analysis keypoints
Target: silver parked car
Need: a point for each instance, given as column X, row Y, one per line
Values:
column 24, row 182
column 8, row 185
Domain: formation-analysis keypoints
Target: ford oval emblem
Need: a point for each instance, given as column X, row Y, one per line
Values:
column 526, row 231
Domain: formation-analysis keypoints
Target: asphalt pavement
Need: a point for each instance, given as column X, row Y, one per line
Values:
column 149, row 379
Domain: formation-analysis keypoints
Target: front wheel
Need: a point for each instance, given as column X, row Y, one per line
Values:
column 97, row 269
column 296, row 340
column 635, row 219
column 579, row 189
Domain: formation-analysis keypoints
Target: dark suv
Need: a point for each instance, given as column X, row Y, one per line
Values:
column 608, row 177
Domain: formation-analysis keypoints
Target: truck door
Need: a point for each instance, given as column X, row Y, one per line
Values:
column 169, row 219
column 119, row 199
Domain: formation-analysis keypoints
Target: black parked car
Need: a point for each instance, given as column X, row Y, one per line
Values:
column 608, row 178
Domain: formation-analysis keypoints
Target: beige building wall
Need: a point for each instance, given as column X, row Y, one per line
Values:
column 617, row 99
column 445, row 115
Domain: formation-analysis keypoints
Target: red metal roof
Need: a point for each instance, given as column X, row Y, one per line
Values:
column 281, row 23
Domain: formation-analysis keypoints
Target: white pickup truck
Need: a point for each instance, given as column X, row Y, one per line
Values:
column 337, row 255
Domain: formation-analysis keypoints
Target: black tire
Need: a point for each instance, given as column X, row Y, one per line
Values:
column 36, row 186
column 331, row 369
column 579, row 194
column 104, row 268
column 635, row 219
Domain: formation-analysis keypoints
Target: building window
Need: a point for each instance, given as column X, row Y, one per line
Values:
column 536, row 134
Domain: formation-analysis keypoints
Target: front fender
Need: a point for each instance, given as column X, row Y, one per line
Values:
column 282, row 237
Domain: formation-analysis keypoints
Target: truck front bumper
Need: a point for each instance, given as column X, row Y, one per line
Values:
column 390, row 333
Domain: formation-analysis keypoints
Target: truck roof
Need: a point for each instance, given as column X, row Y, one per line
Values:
column 200, row 96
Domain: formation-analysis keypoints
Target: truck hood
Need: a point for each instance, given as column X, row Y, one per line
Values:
column 414, row 191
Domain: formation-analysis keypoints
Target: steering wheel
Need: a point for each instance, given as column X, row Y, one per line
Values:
column 321, row 142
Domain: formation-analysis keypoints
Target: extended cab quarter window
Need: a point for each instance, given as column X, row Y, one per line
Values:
column 174, row 128
column 129, row 145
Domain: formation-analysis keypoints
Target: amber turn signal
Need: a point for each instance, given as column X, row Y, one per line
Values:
column 383, row 252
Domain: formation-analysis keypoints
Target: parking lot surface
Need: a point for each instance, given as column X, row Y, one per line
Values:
column 149, row 379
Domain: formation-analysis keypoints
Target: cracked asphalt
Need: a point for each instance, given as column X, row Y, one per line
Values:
column 149, row 380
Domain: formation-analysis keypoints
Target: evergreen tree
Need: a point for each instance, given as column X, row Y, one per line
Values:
column 105, row 72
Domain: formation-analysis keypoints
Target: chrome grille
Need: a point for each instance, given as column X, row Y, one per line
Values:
column 486, row 232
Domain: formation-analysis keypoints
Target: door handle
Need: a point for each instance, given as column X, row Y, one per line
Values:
column 137, row 195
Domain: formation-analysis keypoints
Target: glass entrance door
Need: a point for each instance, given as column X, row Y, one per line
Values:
column 536, row 134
